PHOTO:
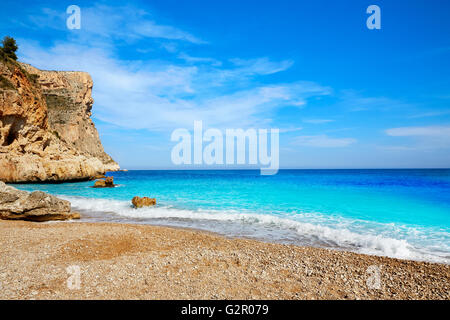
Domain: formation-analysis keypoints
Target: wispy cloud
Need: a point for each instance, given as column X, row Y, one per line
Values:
column 429, row 131
column 428, row 137
column 398, row 148
column 287, row 130
column 194, row 60
column 160, row 95
column 355, row 101
column 152, row 30
column 127, row 23
column 322, row 141
column 244, row 70
column 430, row 114
column 261, row 66
column 317, row 121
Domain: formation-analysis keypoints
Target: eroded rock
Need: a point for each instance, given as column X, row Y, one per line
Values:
column 46, row 133
column 99, row 184
column 108, row 182
column 139, row 202
column 35, row 206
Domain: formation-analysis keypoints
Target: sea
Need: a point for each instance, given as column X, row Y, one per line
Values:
column 403, row 213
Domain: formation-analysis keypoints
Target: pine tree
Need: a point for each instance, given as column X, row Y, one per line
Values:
column 9, row 47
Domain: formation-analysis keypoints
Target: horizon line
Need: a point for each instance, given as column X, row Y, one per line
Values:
column 257, row 169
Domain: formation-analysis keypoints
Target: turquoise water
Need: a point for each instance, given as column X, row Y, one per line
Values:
column 397, row 213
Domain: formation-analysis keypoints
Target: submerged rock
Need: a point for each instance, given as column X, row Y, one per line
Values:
column 139, row 202
column 35, row 206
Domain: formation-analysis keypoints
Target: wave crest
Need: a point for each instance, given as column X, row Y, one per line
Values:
column 306, row 232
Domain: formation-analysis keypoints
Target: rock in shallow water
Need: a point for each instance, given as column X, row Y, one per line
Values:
column 99, row 184
column 107, row 183
column 36, row 206
column 139, row 202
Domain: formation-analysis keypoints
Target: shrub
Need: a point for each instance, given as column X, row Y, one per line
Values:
column 9, row 47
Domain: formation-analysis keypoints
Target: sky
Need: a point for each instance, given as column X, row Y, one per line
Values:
column 342, row 95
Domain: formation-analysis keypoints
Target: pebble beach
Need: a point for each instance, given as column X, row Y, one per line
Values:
column 76, row 260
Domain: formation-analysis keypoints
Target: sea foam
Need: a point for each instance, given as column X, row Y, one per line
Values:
column 267, row 227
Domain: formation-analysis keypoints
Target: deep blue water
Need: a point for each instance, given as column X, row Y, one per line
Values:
column 399, row 213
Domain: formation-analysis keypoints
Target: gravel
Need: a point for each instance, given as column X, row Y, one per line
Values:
column 123, row 261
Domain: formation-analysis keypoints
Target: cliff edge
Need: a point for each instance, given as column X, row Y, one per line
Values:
column 46, row 133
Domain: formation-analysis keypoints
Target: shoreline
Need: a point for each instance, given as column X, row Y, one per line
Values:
column 133, row 261
column 414, row 239
column 131, row 221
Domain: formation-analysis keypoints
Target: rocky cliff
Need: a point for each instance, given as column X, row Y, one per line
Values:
column 46, row 133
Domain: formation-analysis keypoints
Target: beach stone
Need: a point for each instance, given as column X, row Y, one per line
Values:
column 6, row 197
column 109, row 181
column 100, row 184
column 35, row 206
column 139, row 202
column 104, row 183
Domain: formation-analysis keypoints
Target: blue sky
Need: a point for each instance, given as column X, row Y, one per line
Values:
column 342, row 95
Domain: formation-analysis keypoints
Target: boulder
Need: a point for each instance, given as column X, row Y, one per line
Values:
column 106, row 183
column 109, row 181
column 139, row 202
column 100, row 184
column 35, row 206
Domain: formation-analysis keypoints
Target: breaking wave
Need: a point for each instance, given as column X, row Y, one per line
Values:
column 303, row 229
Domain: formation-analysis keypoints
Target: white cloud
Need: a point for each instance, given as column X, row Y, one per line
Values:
column 398, row 148
column 429, row 131
column 430, row 114
column 102, row 23
column 287, row 130
column 354, row 101
column 323, row 141
column 152, row 30
column 161, row 95
column 317, row 121
column 429, row 137
column 242, row 71
column 261, row 66
column 193, row 60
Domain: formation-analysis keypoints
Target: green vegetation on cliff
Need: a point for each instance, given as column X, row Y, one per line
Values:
column 6, row 84
column 9, row 58
column 9, row 47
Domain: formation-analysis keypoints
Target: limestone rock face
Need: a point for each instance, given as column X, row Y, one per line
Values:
column 139, row 202
column 46, row 133
column 36, row 206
